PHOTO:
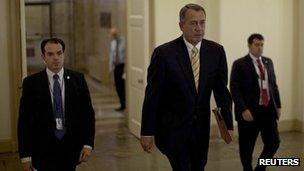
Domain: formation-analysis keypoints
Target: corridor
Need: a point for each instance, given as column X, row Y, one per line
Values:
column 85, row 27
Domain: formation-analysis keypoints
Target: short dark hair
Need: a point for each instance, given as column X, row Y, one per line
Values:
column 254, row 36
column 182, row 12
column 51, row 40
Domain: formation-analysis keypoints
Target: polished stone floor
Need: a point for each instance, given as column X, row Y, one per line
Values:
column 118, row 150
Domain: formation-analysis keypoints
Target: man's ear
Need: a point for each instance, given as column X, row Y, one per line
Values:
column 181, row 25
column 42, row 56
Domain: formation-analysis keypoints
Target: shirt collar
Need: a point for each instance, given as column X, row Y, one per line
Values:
column 51, row 74
column 190, row 46
column 255, row 58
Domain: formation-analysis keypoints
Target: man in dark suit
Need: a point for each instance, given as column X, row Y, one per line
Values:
column 257, row 102
column 181, row 77
column 56, row 120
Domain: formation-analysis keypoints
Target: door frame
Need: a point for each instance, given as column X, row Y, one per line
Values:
column 149, row 46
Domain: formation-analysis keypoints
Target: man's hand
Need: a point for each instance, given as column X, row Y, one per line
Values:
column 27, row 166
column 147, row 143
column 279, row 113
column 84, row 154
column 247, row 116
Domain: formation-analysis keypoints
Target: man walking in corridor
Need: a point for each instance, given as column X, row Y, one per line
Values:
column 257, row 102
column 56, row 123
column 181, row 77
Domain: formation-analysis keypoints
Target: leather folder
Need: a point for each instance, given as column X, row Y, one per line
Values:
column 222, row 125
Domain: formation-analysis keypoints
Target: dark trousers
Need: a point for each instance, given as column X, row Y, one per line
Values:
column 59, row 157
column 191, row 153
column 120, row 84
column 264, row 123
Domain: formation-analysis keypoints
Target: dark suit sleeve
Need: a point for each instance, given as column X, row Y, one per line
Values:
column 235, row 80
column 221, row 92
column 25, row 120
column 89, row 114
column 275, row 86
column 155, row 82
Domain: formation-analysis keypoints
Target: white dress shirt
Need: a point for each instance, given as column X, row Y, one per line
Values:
column 266, row 83
column 121, row 52
column 190, row 47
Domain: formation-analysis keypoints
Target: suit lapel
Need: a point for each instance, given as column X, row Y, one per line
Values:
column 251, row 67
column 252, row 71
column 47, row 95
column 185, row 63
column 203, row 66
column 266, row 65
column 67, row 95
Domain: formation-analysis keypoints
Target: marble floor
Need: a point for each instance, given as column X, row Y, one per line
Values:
column 118, row 150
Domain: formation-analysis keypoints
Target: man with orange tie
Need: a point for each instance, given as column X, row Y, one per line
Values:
column 181, row 77
column 257, row 102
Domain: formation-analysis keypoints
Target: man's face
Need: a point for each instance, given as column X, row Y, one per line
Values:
column 53, row 56
column 256, row 48
column 114, row 33
column 193, row 26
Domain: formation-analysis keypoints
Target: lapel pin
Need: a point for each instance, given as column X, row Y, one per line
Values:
column 68, row 77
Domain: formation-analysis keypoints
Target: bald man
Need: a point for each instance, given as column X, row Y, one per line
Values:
column 117, row 63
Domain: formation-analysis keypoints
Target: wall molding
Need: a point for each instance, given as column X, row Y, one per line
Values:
column 6, row 146
column 15, row 62
column 299, row 125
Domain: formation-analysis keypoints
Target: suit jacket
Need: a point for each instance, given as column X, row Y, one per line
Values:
column 36, row 122
column 172, row 103
column 245, row 88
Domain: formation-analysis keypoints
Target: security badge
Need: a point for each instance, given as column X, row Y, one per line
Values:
column 264, row 84
column 59, row 124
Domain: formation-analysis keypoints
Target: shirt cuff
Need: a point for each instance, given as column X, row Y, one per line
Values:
column 87, row 146
column 26, row 159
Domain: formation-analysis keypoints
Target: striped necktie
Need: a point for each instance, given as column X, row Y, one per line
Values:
column 195, row 65
column 263, row 93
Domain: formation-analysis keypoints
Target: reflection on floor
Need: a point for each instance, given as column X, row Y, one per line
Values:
column 118, row 150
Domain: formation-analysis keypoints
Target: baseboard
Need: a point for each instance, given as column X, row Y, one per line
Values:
column 290, row 125
column 6, row 146
column 299, row 125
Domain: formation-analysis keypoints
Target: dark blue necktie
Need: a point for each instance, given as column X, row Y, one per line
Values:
column 58, row 110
